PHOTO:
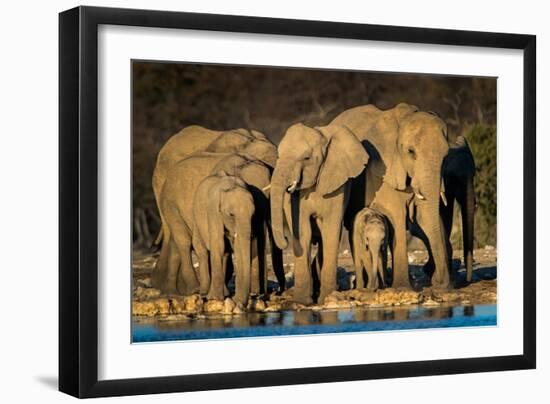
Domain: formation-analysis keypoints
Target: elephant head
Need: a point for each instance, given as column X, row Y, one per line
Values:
column 320, row 159
column 229, row 210
column 252, row 171
column 250, row 143
column 415, row 163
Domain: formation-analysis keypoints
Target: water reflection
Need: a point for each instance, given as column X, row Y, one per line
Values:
column 313, row 322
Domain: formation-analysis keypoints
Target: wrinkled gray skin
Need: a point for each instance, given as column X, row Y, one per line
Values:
column 176, row 206
column 407, row 148
column 313, row 170
column 223, row 209
column 370, row 249
column 195, row 138
column 458, row 176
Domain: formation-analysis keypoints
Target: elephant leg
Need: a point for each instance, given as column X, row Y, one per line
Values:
column 382, row 269
column 358, row 261
column 447, row 216
column 372, row 273
column 187, row 282
column 204, row 267
column 216, row 291
column 330, row 232
column 400, row 260
column 303, row 285
column 277, row 262
column 228, row 270
column 316, row 266
column 169, row 285
column 467, row 210
column 255, row 277
column 158, row 275
column 393, row 205
column 262, row 264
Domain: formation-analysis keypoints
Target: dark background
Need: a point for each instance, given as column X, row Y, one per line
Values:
column 170, row 96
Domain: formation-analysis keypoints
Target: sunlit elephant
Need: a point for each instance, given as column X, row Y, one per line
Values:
column 313, row 170
column 458, row 176
column 370, row 250
column 407, row 148
column 176, row 204
column 223, row 209
column 197, row 138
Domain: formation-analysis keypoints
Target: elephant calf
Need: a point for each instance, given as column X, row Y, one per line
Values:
column 370, row 246
column 223, row 209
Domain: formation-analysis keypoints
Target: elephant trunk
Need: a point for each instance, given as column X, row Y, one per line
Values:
column 242, row 256
column 430, row 221
column 280, row 181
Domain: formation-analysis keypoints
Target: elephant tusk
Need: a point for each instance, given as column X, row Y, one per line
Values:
column 443, row 198
column 266, row 188
column 419, row 196
column 292, row 187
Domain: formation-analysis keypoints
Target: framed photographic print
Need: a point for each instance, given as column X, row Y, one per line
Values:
column 243, row 197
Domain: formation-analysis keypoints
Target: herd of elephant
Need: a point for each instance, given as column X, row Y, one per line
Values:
column 379, row 173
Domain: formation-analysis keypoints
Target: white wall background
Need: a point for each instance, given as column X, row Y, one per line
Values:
column 28, row 206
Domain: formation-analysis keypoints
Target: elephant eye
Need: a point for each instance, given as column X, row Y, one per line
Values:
column 411, row 152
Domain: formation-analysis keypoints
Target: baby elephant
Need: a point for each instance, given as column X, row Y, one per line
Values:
column 223, row 209
column 370, row 246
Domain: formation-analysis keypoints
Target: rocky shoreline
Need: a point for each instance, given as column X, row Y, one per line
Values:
column 150, row 303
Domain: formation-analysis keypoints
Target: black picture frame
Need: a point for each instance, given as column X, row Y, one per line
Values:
column 78, row 201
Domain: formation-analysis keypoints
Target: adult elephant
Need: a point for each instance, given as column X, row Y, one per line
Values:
column 313, row 170
column 407, row 148
column 177, row 196
column 196, row 138
column 458, row 176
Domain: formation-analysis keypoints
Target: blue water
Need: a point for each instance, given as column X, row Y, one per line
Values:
column 314, row 322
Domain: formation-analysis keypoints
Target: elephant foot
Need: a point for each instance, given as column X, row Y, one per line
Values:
column 185, row 291
column 401, row 284
column 170, row 291
column 302, row 298
column 441, row 286
column 323, row 295
column 215, row 296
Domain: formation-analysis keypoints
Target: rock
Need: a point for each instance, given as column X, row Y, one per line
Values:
column 193, row 303
column 430, row 302
column 214, row 306
column 390, row 296
column 273, row 306
column 228, row 306
column 144, row 309
column 239, row 309
column 339, row 304
column 163, row 306
column 259, row 305
column 178, row 305
column 335, row 297
column 174, row 317
column 144, row 282
column 144, row 293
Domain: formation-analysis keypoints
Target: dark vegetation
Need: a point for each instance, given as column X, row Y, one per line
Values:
column 168, row 97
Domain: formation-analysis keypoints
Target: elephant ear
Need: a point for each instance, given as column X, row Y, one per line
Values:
column 345, row 158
